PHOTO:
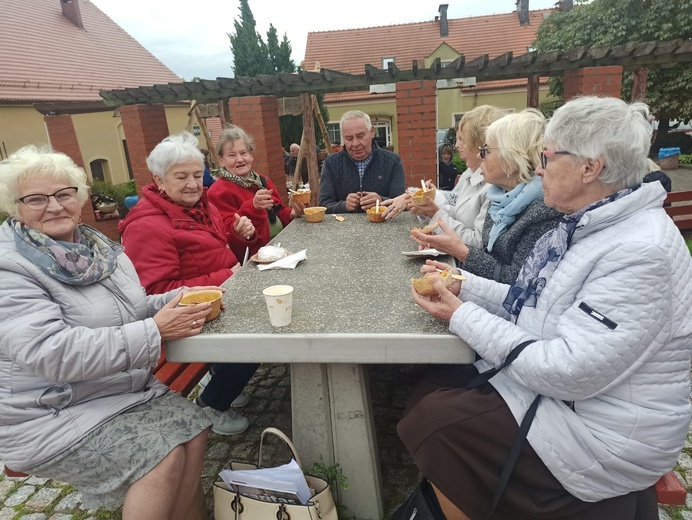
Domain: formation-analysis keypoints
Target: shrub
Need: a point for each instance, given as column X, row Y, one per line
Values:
column 459, row 163
column 117, row 192
column 673, row 140
column 685, row 159
column 689, row 245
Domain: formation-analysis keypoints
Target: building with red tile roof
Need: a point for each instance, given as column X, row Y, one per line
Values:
column 421, row 42
column 61, row 53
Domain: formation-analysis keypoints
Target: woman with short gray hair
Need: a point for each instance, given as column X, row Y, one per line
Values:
column 602, row 308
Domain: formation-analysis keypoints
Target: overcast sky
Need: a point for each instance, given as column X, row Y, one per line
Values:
column 191, row 39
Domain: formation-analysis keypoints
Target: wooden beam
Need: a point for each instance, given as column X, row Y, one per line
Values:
column 504, row 59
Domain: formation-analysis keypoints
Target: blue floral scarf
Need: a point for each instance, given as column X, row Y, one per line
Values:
column 546, row 255
column 506, row 205
column 90, row 258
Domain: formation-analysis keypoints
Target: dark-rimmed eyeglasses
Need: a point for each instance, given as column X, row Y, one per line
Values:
column 40, row 200
column 483, row 150
column 548, row 153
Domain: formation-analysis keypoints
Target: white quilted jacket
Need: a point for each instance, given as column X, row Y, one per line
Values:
column 629, row 383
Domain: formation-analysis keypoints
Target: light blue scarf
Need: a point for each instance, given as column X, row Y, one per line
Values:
column 506, row 205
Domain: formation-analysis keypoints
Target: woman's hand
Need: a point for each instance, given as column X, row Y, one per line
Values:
column 176, row 322
column 243, row 227
column 428, row 209
column 297, row 210
column 433, row 266
column 443, row 305
column 396, row 205
column 448, row 242
column 263, row 199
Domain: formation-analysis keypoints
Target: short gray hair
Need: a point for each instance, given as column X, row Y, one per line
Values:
column 174, row 149
column 231, row 135
column 609, row 128
column 350, row 116
column 31, row 161
column 519, row 138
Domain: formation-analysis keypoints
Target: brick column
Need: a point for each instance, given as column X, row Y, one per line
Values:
column 416, row 115
column 145, row 126
column 593, row 81
column 63, row 137
column 259, row 117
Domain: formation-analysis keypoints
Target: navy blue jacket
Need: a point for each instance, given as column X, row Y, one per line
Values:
column 383, row 175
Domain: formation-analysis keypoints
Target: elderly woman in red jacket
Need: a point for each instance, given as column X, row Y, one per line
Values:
column 176, row 238
column 242, row 191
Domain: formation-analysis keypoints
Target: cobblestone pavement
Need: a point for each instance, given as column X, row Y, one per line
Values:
column 32, row 498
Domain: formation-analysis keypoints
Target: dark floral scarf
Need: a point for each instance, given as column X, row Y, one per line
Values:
column 247, row 181
column 546, row 255
column 90, row 258
column 199, row 212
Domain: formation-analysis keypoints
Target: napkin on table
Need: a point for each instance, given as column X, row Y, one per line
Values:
column 287, row 262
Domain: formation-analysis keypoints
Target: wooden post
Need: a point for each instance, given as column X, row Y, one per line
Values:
column 532, row 91
column 297, row 174
column 308, row 146
column 207, row 138
column 224, row 113
column 323, row 127
column 639, row 84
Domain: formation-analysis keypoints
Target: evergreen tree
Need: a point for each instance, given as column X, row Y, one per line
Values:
column 250, row 54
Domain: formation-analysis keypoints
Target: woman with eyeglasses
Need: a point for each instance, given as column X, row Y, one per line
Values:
column 78, row 339
column 603, row 305
column 516, row 216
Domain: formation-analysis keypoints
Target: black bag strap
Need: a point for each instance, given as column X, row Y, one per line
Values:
column 520, row 437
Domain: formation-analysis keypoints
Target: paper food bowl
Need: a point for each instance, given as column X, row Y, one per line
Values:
column 420, row 197
column 315, row 214
column 375, row 214
column 424, row 286
column 301, row 196
column 207, row 295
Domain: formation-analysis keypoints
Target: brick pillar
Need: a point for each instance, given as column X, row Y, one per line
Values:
column 145, row 126
column 63, row 137
column 259, row 117
column 416, row 116
column 593, row 81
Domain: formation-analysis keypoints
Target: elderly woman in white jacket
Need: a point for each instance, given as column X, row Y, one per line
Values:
column 78, row 339
column 464, row 208
column 607, row 298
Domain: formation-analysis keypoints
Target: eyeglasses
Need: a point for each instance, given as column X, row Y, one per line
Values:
column 547, row 153
column 40, row 201
column 483, row 150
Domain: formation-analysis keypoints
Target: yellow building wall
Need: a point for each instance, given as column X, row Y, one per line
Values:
column 100, row 135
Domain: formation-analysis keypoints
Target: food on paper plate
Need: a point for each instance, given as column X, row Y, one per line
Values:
column 205, row 295
column 424, row 286
column 427, row 230
column 271, row 253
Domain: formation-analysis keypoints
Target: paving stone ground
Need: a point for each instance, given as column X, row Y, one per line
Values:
column 31, row 498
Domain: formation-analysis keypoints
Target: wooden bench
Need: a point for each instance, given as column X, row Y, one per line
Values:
column 681, row 209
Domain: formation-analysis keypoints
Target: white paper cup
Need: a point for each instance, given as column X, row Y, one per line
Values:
column 279, row 300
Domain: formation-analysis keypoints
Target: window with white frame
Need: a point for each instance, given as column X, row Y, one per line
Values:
column 383, row 133
column 387, row 61
column 334, row 133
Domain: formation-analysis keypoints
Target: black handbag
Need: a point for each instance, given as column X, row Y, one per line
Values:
column 420, row 506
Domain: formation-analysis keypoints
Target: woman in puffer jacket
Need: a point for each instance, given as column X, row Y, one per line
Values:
column 606, row 299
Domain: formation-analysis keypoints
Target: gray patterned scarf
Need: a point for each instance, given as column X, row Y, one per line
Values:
column 90, row 258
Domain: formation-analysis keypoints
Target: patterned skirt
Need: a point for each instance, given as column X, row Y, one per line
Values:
column 105, row 463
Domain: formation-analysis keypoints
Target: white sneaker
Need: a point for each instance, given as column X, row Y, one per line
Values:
column 241, row 401
column 205, row 380
column 226, row 423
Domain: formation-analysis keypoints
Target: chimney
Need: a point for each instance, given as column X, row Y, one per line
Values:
column 444, row 28
column 70, row 8
column 565, row 5
column 523, row 11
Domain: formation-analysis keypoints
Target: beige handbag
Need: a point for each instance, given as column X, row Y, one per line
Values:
column 229, row 505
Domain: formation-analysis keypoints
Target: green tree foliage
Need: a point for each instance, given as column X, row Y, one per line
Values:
column 616, row 22
column 251, row 56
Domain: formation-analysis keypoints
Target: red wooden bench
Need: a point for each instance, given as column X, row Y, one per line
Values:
column 681, row 209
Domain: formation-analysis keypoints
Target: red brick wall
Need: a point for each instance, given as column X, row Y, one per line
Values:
column 593, row 81
column 416, row 126
column 145, row 126
column 63, row 137
column 259, row 117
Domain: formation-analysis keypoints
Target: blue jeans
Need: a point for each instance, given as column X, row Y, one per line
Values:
column 227, row 381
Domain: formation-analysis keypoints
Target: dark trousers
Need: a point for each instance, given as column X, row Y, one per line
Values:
column 227, row 381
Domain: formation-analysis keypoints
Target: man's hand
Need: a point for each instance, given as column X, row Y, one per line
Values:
column 447, row 242
column 352, row 202
column 263, row 199
column 243, row 227
column 443, row 305
column 368, row 199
